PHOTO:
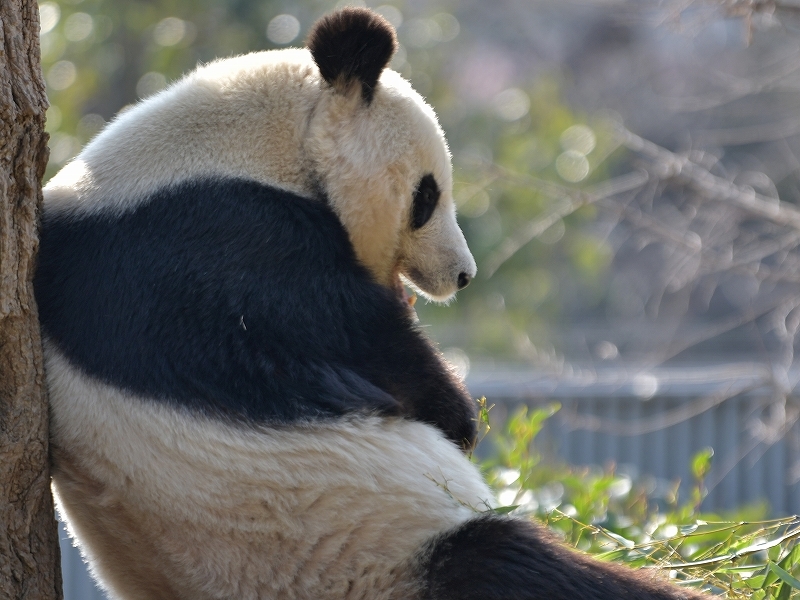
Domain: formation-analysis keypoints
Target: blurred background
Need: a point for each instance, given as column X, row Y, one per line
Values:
column 627, row 174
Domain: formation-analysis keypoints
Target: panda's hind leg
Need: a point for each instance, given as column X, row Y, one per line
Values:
column 500, row 558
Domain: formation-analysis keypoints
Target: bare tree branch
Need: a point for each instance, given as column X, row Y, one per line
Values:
column 568, row 202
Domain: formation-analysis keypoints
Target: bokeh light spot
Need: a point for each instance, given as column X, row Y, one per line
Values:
column 644, row 385
column 111, row 59
column 49, row 14
column 422, row 33
column 78, row 27
column 283, row 29
column 150, row 83
column 169, row 31
column 61, row 75
column 391, row 14
column 103, row 28
column 90, row 125
column 63, row 147
column 606, row 350
column 344, row 3
column 459, row 360
column 572, row 166
column 579, row 138
column 554, row 233
column 511, row 104
column 53, row 118
column 53, row 46
column 400, row 58
column 449, row 27
column 473, row 202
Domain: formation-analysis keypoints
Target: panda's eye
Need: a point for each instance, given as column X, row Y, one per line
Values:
column 425, row 199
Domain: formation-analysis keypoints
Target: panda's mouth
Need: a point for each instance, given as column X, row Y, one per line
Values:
column 401, row 292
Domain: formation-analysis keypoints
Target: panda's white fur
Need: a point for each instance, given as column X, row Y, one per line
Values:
column 305, row 447
column 217, row 121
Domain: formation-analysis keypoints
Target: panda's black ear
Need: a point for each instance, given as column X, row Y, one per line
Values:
column 352, row 44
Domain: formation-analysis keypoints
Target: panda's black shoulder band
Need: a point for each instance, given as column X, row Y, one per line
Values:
column 352, row 44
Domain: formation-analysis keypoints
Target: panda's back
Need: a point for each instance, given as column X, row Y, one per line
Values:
column 221, row 295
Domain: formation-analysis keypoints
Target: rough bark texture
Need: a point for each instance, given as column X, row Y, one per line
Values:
column 29, row 554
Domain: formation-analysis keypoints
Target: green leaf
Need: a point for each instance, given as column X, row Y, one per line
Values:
column 701, row 463
column 620, row 540
column 791, row 559
column 612, row 555
column 769, row 578
column 638, row 563
column 784, row 592
column 754, row 583
column 504, row 510
column 784, row 576
column 767, row 545
column 749, row 572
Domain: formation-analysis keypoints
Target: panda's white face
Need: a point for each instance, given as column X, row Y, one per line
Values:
column 386, row 168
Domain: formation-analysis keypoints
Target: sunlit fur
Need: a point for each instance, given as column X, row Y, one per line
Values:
column 270, row 117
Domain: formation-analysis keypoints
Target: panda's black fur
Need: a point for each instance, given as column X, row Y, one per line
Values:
column 353, row 46
column 209, row 336
column 245, row 300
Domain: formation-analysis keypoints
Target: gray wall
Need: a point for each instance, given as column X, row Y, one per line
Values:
column 78, row 584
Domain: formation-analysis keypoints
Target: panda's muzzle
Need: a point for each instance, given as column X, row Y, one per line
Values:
column 437, row 272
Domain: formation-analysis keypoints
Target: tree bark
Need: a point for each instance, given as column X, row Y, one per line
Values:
column 29, row 552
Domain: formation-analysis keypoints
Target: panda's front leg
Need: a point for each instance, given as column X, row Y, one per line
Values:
column 407, row 365
column 434, row 394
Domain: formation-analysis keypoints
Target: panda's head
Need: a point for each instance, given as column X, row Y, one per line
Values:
column 329, row 121
column 377, row 151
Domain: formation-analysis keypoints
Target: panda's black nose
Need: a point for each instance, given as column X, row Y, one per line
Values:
column 463, row 280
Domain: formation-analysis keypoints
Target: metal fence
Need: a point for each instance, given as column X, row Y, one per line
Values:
column 649, row 423
column 652, row 423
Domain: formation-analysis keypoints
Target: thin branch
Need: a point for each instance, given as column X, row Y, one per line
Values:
column 572, row 200
column 671, row 165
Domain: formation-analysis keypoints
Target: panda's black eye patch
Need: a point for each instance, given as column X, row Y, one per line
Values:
column 426, row 197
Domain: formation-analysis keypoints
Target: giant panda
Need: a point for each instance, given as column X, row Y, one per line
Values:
column 242, row 404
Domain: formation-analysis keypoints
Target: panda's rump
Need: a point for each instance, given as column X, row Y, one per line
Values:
column 294, row 511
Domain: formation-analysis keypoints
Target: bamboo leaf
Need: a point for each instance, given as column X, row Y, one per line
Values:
column 784, row 576
column 504, row 510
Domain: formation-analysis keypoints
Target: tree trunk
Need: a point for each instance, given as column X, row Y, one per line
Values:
column 29, row 553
